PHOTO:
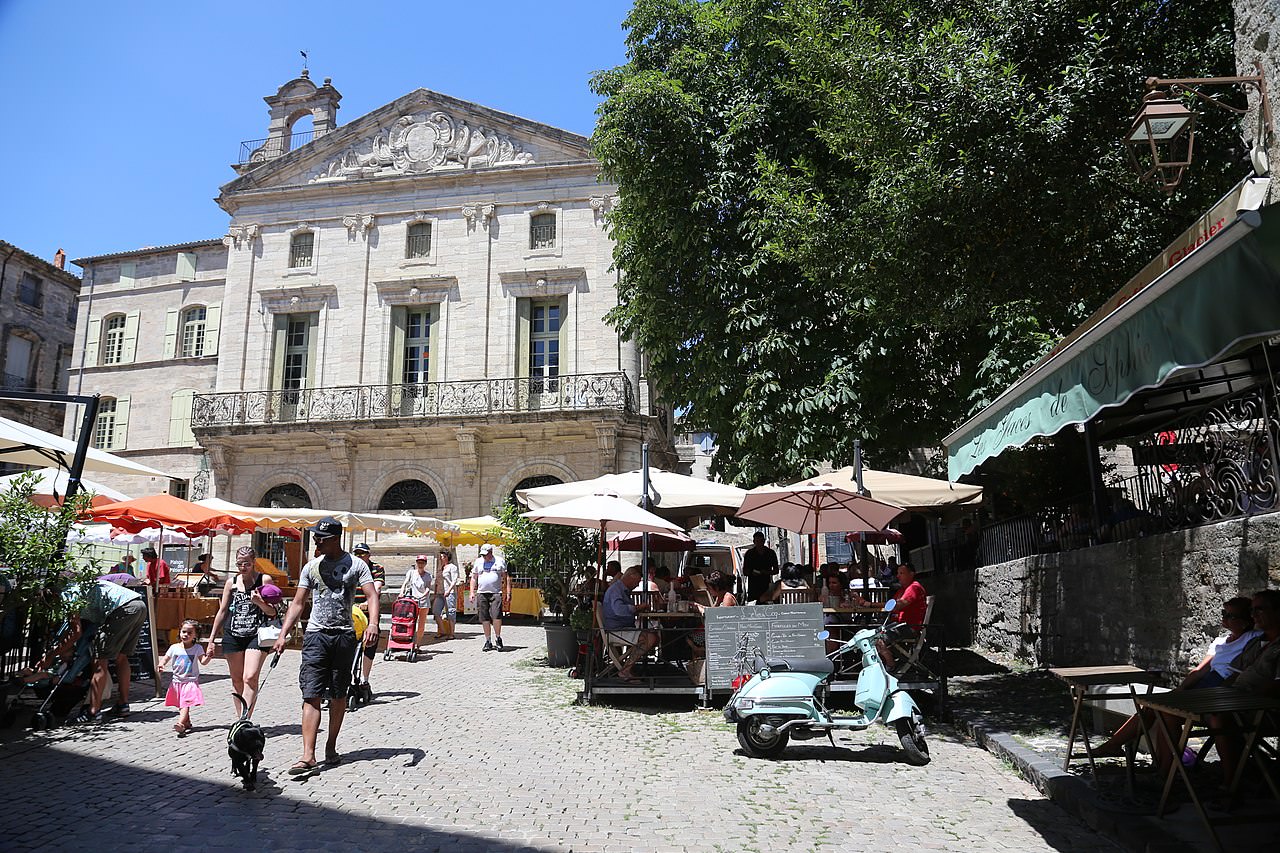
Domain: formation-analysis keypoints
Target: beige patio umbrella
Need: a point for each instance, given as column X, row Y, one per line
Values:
column 274, row 518
column 905, row 490
column 51, row 488
column 671, row 495
column 604, row 512
column 816, row 508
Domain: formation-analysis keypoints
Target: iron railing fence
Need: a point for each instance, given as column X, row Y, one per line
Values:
column 262, row 150
column 1210, row 466
column 479, row 397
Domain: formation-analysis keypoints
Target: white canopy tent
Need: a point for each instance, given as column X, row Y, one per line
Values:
column 25, row 445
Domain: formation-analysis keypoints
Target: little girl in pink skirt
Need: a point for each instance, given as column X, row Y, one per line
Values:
column 183, row 660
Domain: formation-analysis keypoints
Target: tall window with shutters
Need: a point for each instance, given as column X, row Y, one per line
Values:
column 545, row 318
column 112, row 424
column 113, row 339
column 192, row 332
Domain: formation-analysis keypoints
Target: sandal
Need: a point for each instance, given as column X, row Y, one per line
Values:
column 303, row 768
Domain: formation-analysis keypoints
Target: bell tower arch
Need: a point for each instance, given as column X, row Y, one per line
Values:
column 295, row 100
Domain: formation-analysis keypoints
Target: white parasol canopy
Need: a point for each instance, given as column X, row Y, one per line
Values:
column 51, row 484
column 100, row 534
column 670, row 495
column 816, row 508
column 604, row 513
column 905, row 490
column 25, row 445
column 278, row 517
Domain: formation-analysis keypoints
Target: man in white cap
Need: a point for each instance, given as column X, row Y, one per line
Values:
column 490, row 594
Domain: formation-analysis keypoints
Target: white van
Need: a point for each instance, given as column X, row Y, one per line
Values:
column 710, row 556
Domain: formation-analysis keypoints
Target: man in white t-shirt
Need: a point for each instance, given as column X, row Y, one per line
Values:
column 490, row 594
column 329, row 645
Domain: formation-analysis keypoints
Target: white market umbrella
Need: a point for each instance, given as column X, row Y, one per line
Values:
column 51, row 486
column 101, row 534
column 25, row 445
column 670, row 495
column 278, row 517
column 605, row 513
column 817, row 508
column 905, row 490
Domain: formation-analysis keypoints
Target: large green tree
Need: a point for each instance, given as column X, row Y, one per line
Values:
column 844, row 219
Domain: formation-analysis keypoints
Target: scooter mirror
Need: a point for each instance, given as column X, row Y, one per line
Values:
column 890, row 605
column 822, row 635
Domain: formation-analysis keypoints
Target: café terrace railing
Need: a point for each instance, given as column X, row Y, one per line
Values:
column 1211, row 466
column 468, row 398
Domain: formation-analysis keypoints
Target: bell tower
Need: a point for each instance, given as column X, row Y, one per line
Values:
column 293, row 101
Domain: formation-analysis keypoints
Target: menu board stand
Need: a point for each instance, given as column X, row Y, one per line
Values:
column 778, row 630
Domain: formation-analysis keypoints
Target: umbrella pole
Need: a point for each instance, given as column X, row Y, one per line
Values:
column 644, row 504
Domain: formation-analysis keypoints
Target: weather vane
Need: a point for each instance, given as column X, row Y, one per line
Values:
column 304, row 59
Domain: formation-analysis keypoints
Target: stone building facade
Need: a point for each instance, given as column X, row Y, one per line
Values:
column 406, row 313
column 38, row 303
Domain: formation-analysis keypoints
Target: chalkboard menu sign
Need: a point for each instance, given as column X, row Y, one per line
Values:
column 779, row 630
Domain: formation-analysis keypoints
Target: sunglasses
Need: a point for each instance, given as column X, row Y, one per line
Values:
column 1227, row 614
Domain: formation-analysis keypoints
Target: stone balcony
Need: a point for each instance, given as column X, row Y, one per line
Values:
column 382, row 404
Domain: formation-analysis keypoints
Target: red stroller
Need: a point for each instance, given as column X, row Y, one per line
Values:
column 404, row 625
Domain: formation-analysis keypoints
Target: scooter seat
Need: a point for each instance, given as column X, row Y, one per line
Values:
column 814, row 666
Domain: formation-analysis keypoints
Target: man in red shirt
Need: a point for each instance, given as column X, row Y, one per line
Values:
column 157, row 570
column 911, row 595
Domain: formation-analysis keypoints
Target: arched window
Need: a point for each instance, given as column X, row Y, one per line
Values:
column 287, row 496
column 533, row 483
column 191, row 331
column 104, row 428
column 418, row 240
column 542, row 231
column 302, row 248
column 113, row 339
column 408, row 494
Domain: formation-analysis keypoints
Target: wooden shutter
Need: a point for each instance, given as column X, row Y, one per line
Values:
column 212, row 324
column 312, row 371
column 186, row 266
column 395, row 360
column 180, row 434
column 523, row 309
column 128, row 273
column 565, row 368
column 280, row 333
column 120, row 436
column 433, row 341
column 92, row 343
column 130, row 338
column 170, row 334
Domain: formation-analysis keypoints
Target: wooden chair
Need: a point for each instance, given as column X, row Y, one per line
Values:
column 795, row 596
column 907, row 652
column 701, row 594
column 616, row 647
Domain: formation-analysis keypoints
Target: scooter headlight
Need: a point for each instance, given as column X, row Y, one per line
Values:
column 745, row 704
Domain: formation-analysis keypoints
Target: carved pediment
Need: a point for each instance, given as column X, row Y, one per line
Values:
column 423, row 142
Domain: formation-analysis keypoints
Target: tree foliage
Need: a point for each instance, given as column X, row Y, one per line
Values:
column 35, row 557
column 556, row 556
column 844, row 219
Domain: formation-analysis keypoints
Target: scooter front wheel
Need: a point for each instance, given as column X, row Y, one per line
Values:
column 911, row 736
column 756, row 743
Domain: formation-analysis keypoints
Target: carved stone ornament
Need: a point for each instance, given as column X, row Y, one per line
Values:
column 423, row 143
column 534, row 283
column 358, row 223
column 607, row 444
column 478, row 212
column 467, row 454
column 341, row 451
column 240, row 236
column 600, row 205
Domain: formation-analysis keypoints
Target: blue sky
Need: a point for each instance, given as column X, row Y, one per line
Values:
column 121, row 119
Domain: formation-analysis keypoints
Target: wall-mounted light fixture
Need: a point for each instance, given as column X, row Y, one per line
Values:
column 1161, row 140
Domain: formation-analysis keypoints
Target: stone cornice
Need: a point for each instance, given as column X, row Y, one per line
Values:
column 416, row 291
column 297, row 298
column 550, row 281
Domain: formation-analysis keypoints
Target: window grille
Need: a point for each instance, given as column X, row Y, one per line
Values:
column 301, row 250
column 542, row 231
column 418, row 241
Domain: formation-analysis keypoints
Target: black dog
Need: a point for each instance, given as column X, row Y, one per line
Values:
column 245, row 743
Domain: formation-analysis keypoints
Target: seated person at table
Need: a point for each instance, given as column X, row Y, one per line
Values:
column 908, row 616
column 1256, row 669
column 792, row 579
column 834, row 592
column 1212, row 671
column 721, row 586
column 618, row 615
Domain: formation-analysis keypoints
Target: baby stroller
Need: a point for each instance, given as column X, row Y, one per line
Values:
column 66, row 687
column 404, row 625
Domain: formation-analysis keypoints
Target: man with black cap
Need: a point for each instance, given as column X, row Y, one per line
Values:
column 329, row 645
column 362, row 601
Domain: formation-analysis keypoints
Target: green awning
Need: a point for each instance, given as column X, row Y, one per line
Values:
column 1225, row 293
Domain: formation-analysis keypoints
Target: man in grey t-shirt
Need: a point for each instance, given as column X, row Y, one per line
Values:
column 329, row 645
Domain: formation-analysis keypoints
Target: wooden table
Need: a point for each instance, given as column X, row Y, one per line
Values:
column 1080, row 679
column 1193, row 707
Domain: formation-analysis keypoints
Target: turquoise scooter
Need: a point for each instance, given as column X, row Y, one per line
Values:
column 780, row 699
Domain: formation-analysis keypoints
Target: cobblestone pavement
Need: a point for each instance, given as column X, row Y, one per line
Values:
column 474, row 751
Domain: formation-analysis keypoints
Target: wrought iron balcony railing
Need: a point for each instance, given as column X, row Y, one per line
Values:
column 262, row 150
column 477, row 398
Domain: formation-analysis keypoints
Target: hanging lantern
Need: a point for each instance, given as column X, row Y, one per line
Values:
column 1161, row 139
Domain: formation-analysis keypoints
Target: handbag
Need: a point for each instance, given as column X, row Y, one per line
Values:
column 270, row 632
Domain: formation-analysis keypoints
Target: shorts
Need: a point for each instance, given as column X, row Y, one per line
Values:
column 184, row 694
column 371, row 651
column 119, row 633
column 630, row 636
column 231, row 644
column 438, row 606
column 327, row 659
column 489, row 606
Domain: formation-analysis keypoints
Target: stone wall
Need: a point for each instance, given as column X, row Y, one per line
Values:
column 1257, row 25
column 1151, row 602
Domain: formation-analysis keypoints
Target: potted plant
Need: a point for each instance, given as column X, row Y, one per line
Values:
column 558, row 558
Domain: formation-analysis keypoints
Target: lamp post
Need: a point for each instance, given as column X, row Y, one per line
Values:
column 1161, row 140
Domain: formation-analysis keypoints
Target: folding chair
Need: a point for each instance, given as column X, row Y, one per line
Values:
column 907, row 652
column 701, row 594
column 616, row 648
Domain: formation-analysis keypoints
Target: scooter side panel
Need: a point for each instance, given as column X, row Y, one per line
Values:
column 785, row 693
